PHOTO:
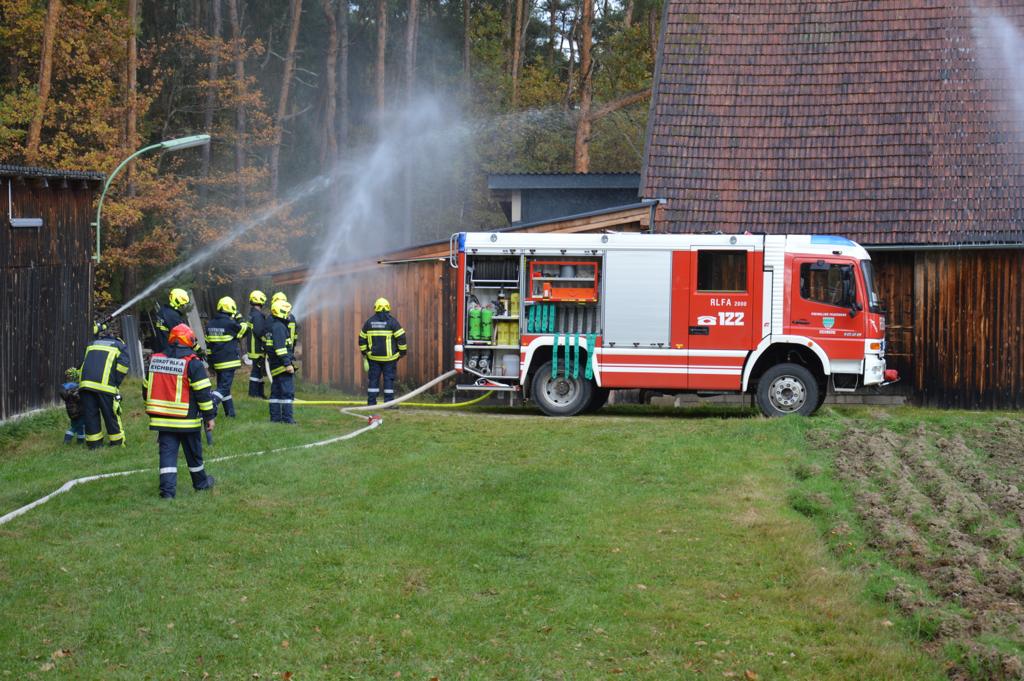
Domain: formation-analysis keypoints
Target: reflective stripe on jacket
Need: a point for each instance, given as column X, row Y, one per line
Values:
column 293, row 332
column 255, row 328
column 105, row 365
column 177, row 389
column 166, row 319
column 222, row 335
column 382, row 338
column 279, row 350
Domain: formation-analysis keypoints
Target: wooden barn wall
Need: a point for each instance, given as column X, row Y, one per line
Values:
column 969, row 341
column 46, row 277
column 894, row 281
column 422, row 298
column 955, row 323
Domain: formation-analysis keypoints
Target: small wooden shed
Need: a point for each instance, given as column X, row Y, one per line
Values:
column 421, row 287
column 46, row 274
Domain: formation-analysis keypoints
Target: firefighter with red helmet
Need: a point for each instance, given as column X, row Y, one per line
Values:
column 104, row 367
column 282, row 373
column 178, row 400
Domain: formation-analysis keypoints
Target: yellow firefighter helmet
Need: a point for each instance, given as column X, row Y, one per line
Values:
column 227, row 304
column 280, row 309
column 178, row 298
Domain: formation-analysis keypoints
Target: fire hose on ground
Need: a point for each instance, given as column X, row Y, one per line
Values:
column 372, row 422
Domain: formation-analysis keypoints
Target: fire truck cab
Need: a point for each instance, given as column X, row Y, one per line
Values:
column 565, row 318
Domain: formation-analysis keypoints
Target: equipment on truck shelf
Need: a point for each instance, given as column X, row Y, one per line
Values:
column 567, row 317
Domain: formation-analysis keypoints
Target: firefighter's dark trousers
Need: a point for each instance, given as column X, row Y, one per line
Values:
column 97, row 406
column 222, row 394
column 388, row 371
column 282, row 398
column 192, row 444
column 256, row 378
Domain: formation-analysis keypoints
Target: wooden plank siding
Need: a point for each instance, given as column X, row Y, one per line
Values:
column 968, row 317
column 422, row 300
column 955, row 325
column 46, row 275
column 422, row 289
column 894, row 281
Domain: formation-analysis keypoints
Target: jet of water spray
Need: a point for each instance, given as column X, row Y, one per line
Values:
column 1000, row 46
column 300, row 193
column 411, row 162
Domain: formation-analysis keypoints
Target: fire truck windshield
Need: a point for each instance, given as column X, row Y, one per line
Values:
column 874, row 305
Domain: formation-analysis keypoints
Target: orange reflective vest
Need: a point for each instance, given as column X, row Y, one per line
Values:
column 169, row 392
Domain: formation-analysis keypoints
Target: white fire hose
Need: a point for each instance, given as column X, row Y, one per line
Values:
column 373, row 422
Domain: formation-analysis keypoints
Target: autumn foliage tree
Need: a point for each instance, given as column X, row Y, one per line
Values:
column 289, row 89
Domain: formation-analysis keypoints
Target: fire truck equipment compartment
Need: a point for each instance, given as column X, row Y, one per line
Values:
column 638, row 286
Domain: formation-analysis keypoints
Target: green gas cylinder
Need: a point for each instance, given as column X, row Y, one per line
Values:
column 485, row 323
column 474, row 323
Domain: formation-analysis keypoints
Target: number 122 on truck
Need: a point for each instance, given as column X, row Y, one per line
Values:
column 563, row 319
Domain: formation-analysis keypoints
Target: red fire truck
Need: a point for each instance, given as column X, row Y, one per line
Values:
column 565, row 318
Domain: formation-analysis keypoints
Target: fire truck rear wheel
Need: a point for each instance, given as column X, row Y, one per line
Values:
column 787, row 389
column 560, row 396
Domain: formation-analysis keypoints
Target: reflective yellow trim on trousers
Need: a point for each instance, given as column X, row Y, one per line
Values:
column 230, row 364
column 180, row 424
column 94, row 437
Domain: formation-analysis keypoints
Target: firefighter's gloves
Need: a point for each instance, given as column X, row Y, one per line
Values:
column 366, row 364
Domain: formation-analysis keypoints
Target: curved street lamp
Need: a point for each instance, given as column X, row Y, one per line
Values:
column 167, row 145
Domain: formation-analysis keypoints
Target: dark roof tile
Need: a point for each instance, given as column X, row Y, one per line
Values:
column 872, row 120
column 7, row 170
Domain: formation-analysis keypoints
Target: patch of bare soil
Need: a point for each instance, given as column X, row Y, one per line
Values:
column 952, row 514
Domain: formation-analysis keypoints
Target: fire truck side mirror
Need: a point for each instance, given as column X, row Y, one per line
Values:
column 850, row 291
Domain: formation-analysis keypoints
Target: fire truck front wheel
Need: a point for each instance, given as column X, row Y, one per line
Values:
column 787, row 389
column 560, row 396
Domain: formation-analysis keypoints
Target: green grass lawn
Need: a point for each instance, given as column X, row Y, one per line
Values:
column 484, row 544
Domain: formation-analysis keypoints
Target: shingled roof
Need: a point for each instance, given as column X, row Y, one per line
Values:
column 875, row 120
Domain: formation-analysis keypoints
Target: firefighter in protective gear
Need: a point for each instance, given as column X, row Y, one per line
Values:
column 255, row 328
column 382, row 342
column 169, row 316
column 293, row 325
column 178, row 400
column 279, row 352
column 104, row 367
column 223, row 333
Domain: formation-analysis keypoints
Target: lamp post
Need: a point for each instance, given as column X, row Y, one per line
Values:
column 166, row 145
